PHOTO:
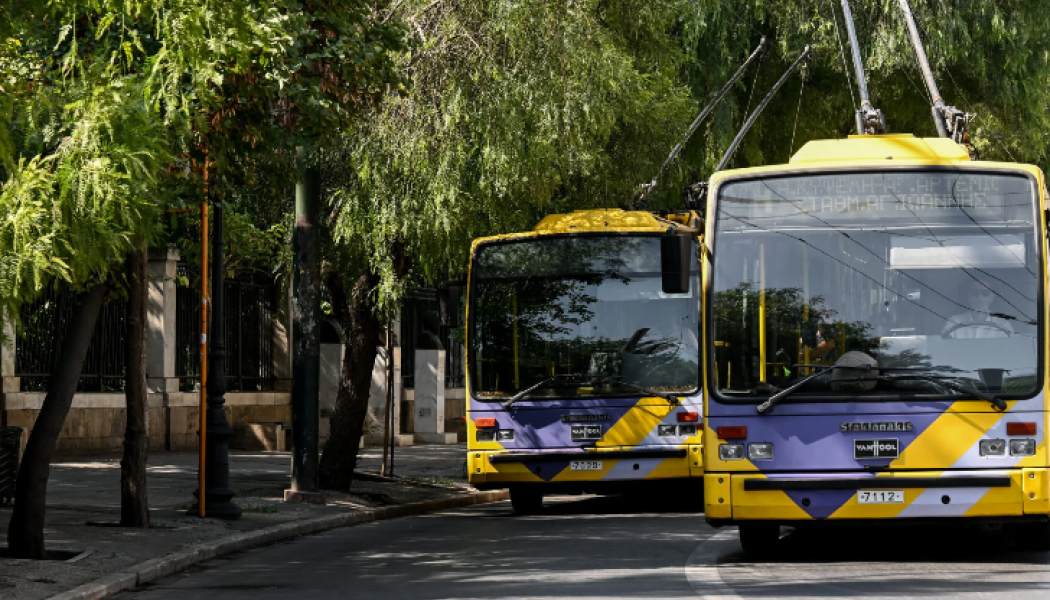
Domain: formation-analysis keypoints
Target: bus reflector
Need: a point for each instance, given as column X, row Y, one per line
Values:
column 485, row 422
column 736, row 432
column 1020, row 428
column 688, row 417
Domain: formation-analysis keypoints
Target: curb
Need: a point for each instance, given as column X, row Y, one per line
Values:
column 157, row 568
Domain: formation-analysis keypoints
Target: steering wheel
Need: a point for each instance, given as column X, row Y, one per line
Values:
column 946, row 335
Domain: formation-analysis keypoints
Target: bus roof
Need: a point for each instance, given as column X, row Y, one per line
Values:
column 877, row 150
column 604, row 220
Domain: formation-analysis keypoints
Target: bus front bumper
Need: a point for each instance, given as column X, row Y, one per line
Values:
column 609, row 467
column 800, row 497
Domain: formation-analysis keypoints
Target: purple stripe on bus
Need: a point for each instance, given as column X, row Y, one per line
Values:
column 547, row 470
column 820, row 504
column 817, row 443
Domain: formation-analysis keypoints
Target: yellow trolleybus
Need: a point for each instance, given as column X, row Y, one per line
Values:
column 583, row 355
column 875, row 345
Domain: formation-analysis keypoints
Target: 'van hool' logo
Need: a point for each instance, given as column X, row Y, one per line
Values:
column 893, row 426
column 596, row 418
column 866, row 449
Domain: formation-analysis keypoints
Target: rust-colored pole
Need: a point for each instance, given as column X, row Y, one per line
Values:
column 205, row 300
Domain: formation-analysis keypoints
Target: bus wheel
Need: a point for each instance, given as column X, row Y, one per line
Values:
column 526, row 501
column 759, row 539
column 1034, row 537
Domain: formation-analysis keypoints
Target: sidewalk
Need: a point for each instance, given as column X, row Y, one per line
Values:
column 84, row 503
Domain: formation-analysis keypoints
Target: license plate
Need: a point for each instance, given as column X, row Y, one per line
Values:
column 880, row 497
column 585, row 465
column 582, row 433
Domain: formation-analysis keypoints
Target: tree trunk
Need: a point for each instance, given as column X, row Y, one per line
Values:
column 25, row 533
column 134, row 504
column 351, row 404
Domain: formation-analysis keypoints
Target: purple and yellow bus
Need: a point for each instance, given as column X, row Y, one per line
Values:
column 583, row 355
column 875, row 343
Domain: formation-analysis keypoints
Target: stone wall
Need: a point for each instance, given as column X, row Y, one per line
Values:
column 95, row 424
column 455, row 412
column 96, row 421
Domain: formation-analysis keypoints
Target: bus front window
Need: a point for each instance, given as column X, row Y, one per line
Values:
column 587, row 313
column 934, row 272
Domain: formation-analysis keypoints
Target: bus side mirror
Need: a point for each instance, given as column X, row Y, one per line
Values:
column 676, row 258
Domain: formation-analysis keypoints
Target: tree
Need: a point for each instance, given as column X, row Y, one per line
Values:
column 74, row 208
column 502, row 125
column 134, row 503
column 109, row 103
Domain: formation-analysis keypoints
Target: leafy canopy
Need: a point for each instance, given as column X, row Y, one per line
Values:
column 518, row 109
column 110, row 105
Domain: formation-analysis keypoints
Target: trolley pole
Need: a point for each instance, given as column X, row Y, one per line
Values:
column 306, row 313
column 949, row 120
column 869, row 119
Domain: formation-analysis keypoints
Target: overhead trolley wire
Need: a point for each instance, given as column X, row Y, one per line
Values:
column 935, row 240
column 834, row 258
column 842, row 51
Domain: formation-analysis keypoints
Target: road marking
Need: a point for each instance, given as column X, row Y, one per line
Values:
column 701, row 568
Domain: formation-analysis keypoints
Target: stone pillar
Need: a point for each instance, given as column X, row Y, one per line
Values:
column 10, row 383
column 282, row 339
column 375, row 422
column 430, row 398
column 331, row 373
column 160, row 322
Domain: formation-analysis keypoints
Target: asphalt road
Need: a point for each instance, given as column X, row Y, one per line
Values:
column 611, row 548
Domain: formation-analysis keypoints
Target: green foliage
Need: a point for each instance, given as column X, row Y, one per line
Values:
column 73, row 211
column 988, row 57
column 503, row 123
column 108, row 107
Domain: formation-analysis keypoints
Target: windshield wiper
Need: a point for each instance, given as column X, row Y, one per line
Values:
column 784, row 393
column 618, row 380
column 943, row 380
column 532, row 388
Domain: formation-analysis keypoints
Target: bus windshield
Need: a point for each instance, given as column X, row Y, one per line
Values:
column 925, row 272
column 582, row 316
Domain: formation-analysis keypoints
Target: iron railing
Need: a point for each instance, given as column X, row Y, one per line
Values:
column 188, row 329
column 249, row 312
column 43, row 329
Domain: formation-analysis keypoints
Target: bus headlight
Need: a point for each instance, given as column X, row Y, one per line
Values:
column 731, row 452
column 763, row 451
column 1022, row 447
column 665, row 430
column 486, row 435
column 993, row 447
column 505, row 435
column 687, row 429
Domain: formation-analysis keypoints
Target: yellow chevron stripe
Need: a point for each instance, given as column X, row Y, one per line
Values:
column 948, row 438
column 1001, row 501
column 632, row 428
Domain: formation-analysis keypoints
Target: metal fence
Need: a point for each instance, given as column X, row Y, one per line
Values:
column 418, row 313
column 250, row 312
column 44, row 324
column 188, row 329
column 248, row 315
